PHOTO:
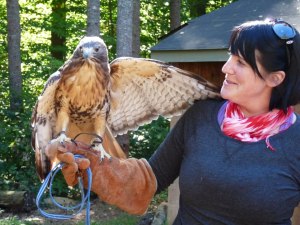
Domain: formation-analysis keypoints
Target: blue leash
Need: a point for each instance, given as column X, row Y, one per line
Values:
column 85, row 198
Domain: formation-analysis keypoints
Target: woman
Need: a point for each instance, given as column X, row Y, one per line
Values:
column 238, row 159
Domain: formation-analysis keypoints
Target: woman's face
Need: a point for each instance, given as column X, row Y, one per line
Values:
column 243, row 86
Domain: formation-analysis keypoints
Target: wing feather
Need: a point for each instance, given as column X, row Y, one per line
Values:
column 143, row 89
column 42, row 123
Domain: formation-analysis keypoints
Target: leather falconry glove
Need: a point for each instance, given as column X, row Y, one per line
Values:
column 129, row 184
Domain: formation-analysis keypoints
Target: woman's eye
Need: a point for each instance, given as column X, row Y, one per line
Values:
column 240, row 62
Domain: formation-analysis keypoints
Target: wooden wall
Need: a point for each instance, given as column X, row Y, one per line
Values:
column 212, row 71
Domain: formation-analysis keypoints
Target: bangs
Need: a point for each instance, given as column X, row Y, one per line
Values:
column 245, row 40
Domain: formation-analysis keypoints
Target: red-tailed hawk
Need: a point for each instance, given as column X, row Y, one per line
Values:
column 90, row 96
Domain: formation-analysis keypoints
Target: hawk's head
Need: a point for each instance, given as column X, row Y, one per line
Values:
column 92, row 49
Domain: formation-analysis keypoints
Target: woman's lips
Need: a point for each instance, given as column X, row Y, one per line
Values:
column 228, row 82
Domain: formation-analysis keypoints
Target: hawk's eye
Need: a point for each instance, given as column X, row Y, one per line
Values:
column 96, row 49
column 80, row 48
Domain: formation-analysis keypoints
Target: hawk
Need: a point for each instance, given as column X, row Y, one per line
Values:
column 89, row 95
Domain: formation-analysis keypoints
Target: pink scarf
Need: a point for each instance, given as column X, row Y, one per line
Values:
column 254, row 128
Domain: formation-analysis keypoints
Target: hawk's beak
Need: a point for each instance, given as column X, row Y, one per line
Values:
column 86, row 53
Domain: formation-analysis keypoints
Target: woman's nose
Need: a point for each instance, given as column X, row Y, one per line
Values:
column 228, row 67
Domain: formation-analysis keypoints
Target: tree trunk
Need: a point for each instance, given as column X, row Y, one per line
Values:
column 93, row 18
column 14, row 55
column 111, row 22
column 125, row 46
column 124, row 28
column 17, row 201
column 175, row 14
column 58, row 31
column 136, row 29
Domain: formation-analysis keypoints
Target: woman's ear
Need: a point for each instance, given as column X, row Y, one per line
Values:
column 275, row 78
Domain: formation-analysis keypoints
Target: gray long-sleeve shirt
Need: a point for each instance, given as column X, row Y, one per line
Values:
column 226, row 181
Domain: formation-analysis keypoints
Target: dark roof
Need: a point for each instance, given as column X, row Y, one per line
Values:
column 212, row 31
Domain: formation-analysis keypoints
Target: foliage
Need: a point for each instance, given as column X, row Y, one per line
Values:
column 16, row 156
column 157, row 200
column 216, row 4
column 148, row 137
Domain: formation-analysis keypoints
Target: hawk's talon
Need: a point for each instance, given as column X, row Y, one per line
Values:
column 61, row 138
column 99, row 148
column 100, row 139
column 61, row 133
column 73, row 141
column 96, row 142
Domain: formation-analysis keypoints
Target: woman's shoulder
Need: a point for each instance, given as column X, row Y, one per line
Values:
column 288, row 142
column 290, row 136
column 294, row 130
column 207, row 106
column 203, row 110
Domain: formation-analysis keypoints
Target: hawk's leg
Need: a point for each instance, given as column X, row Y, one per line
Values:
column 99, row 127
column 61, row 138
column 97, row 145
column 61, row 127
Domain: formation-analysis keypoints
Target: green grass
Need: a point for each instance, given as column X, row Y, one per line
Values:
column 123, row 219
column 13, row 221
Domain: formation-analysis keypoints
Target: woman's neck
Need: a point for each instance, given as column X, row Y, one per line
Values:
column 253, row 110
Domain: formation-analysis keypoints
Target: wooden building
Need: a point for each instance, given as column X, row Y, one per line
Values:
column 201, row 46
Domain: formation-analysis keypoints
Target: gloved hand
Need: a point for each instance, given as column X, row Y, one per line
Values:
column 129, row 184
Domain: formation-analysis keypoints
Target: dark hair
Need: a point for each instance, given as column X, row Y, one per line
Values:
column 274, row 55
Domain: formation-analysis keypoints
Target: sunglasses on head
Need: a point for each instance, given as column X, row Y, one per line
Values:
column 284, row 31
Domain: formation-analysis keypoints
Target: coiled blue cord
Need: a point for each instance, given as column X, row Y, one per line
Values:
column 85, row 197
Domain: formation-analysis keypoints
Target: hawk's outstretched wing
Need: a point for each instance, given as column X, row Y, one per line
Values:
column 142, row 89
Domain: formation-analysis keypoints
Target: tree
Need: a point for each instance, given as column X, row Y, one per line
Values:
column 197, row 8
column 93, row 18
column 175, row 14
column 124, row 28
column 125, row 46
column 14, row 55
column 136, row 29
column 58, row 29
column 111, row 23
